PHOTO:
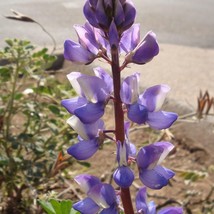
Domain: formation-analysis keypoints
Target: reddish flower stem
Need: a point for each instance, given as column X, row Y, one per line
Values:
column 119, row 122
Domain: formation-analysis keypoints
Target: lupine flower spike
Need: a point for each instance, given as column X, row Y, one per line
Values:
column 109, row 32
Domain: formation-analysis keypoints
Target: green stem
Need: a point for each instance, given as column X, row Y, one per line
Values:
column 119, row 122
column 11, row 101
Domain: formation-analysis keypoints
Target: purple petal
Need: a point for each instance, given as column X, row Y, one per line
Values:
column 87, row 38
column 76, row 53
column 122, row 153
column 146, row 49
column 101, row 15
column 141, row 201
column 137, row 113
column 99, row 72
column 94, row 88
column 130, row 13
column 90, row 113
column 167, row 148
column 161, row 119
column 123, row 176
column 86, row 206
column 156, row 178
column 89, row 14
column 93, row 2
column 132, row 150
column 86, row 182
column 148, row 156
column 103, row 194
column 130, row 89
column 130, row 38
column 126, row 128
column 84, row 149
column 100, row 37
column 86, row 131
column 171, row 210
column 111, row 210
column 72, row 104
column 119, row 13
column 153, row 97
column 113, row 35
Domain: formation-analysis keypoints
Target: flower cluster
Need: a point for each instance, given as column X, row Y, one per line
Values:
column 109, row 32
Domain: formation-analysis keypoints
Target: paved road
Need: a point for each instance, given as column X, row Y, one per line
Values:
column 182, row 22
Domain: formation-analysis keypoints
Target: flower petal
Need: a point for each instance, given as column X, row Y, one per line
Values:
column 111, row 210
column 86, row 206
column 123, row 176
column 86, row 182
column 101, row 15
column 156, row 178
column 161, row 119
column 130, row 89
column 89, row 14
column 167, row 148
column 171, row 210
column 148, row 156
column 119, row 16
column 130, row 13
column 74, row 103
column 84, row 149
column 103, row 194
column 72, row 77
column 113, row 35
column 76, row 53
column 86, row 38
column 146, row 49
column 94, row 88
column 90, row 113
column 137, row 113
column 102, row 74
column 85, row 131
column 141, row 201
column 154, row 97
column 130, row 38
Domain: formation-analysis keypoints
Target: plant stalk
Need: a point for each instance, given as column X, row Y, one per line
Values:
column 119, row 122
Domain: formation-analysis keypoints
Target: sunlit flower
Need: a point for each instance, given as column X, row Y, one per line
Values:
column 143, row 207
column 149, row 158
column 94, row 93
column 145, row 107
column 100, row 196
column 91, row 45
column 90, row 138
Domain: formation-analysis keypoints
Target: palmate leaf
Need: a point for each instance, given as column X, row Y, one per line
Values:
column 54, row 206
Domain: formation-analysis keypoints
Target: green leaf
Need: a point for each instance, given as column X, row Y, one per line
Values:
column 54, row 109
column 56, row 205
column 86, row 164
column 66, row 206
column 47, row 207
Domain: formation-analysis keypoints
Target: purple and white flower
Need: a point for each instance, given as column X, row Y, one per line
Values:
column 90, row 138
column 92, row 44
column 143, row 207
column 94, row 93
column 149, row 158
column 145, row 107
column 101, row 197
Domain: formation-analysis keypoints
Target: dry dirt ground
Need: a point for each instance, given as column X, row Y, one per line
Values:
column 192, row 159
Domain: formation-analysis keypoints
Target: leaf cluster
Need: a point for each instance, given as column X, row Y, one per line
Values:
column 32, row 128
